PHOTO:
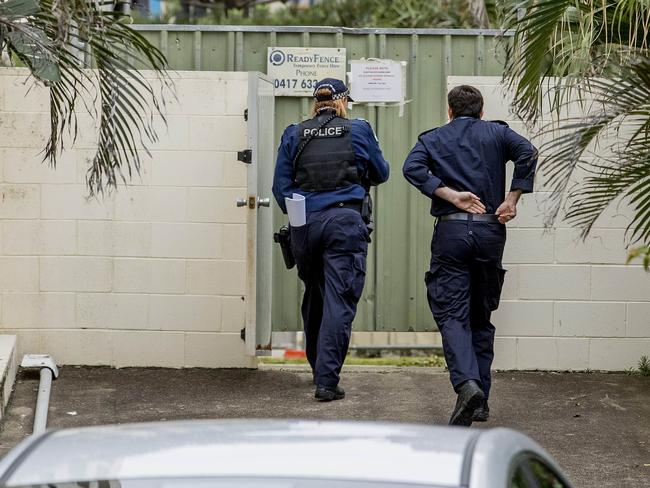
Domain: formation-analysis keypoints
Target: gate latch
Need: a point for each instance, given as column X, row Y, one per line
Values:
column 245, row 156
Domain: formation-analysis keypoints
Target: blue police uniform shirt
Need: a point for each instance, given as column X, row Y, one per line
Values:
column 372, row 166
column 470, row 154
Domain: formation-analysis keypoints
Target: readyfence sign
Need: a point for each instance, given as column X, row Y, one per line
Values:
column 296, row 70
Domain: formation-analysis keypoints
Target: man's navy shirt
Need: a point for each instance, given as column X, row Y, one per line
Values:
column 470, row 154
column 371, row 164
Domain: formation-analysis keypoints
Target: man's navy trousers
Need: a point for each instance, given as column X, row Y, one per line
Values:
column 463, row 287
column 330, row 252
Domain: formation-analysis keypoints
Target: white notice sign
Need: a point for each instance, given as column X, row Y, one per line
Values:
column 295, row 70
column 378, row 80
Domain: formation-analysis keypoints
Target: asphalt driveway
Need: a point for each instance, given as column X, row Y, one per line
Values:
column 596, row 425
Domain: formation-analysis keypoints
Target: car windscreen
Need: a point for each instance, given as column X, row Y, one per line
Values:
column 230, row 483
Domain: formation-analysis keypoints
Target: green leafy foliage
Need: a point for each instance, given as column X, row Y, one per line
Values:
column 576, row 40
column 644, row 366
column 26, row 44
column 593, row 58
column 56, row 39
column 343, row 13
column 17, row 9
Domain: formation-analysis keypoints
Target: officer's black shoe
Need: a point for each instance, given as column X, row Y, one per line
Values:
column 327, row 394
column 470, row 397
column 482, row 413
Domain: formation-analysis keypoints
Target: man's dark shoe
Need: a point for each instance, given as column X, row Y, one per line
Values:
column 328, row 394
column 482, row 413
column 470, row 397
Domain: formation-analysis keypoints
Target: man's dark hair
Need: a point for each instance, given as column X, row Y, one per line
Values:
column 465, row 101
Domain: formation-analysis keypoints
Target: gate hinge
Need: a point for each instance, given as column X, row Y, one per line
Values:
column 245, row 156
column 242, row 334
column 246, row 115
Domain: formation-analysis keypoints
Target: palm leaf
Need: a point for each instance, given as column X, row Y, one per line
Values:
column 619, row 168
column 32, row 47
column 18, row 9
column 574, row 40
column 595, row 54
column 53, row 42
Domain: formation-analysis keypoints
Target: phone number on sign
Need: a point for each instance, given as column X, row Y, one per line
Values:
column 296, row 83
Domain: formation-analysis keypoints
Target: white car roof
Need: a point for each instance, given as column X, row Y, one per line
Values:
column 294, row 449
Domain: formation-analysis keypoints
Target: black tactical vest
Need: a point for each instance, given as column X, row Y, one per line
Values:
column 327, row 158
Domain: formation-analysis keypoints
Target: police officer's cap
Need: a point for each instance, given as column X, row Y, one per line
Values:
column 337, row 88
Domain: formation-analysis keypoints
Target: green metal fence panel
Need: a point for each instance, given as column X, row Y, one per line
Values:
column 394, row 298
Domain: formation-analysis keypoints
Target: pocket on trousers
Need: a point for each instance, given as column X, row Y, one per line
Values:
column 365, row 230
column 440, row 293
column 495, row 287
column 299, row 239
column 300, row 249
column 429, row 277
column 358, row 277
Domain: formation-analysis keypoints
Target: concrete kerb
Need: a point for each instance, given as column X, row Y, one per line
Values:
column 8, row 369
column 428, row 370
column 357, row 368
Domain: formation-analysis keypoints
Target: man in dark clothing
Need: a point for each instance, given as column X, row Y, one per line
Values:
column 332, row 161
column 461, row 166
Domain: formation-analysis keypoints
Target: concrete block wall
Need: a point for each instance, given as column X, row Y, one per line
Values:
column 567, row 304
column 152, row 275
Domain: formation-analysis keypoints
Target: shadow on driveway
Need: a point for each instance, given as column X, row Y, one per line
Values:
column 596, row 425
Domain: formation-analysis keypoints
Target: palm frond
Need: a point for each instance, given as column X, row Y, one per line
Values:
column 18, row 9
column 570, row 40
column 620, row 167
column 595, row 54
column 528, row 52
column 54, row 41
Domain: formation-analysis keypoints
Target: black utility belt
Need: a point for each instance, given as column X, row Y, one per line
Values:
column 490, row 218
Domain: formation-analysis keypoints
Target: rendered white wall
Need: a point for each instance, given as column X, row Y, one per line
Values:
column 153, row 275
column 567, row 304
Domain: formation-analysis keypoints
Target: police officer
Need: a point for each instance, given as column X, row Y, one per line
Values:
column 461, row 166
column 332, row 161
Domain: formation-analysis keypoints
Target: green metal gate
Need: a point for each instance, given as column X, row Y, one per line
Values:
column 394, row 297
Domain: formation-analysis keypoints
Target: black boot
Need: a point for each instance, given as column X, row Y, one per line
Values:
column 482, row 413
column 470, row 397
column 324, row 394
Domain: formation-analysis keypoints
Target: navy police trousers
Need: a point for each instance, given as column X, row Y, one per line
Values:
column 463, row 287
column 330, row 252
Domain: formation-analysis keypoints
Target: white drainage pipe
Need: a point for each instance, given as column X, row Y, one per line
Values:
column 48, row 372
